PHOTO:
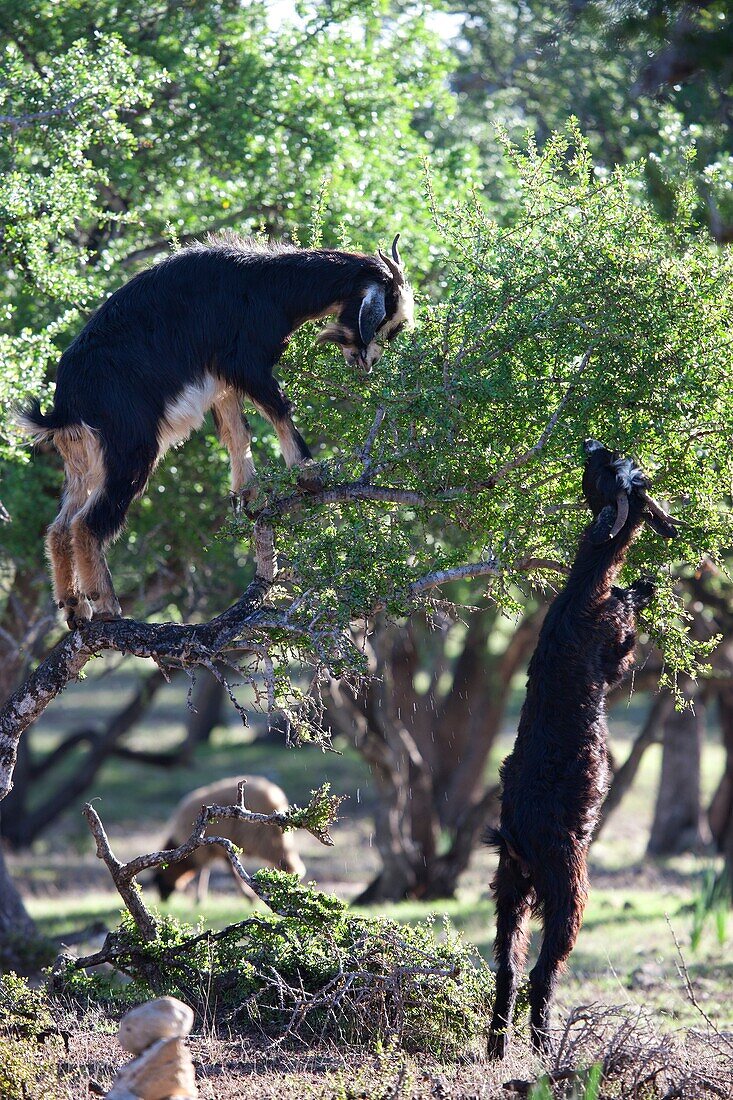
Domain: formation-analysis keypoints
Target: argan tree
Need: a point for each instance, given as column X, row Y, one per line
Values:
column 118, row 144
column 458, row 459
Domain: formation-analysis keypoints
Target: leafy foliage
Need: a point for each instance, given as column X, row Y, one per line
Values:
column 28, row 1062
column 169, row 121
column 586, row 316
column 317, row 973
column 319, row 815
column 646, row 80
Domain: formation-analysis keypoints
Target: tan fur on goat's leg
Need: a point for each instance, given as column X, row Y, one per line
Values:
column 234, row 431
column 202, row 884
column 60, row 552
column 290, row 441
column 286, row 434
column 61, row 557
column 80, row 448
column 94, row 576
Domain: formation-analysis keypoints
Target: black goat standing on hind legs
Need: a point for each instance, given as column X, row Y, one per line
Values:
column 556, row 778
column 201, row 330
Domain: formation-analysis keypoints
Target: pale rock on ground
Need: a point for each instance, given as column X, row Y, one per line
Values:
column 163, row 1069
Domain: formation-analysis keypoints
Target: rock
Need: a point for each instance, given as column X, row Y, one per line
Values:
column 163, row 1072
column 163, row 1018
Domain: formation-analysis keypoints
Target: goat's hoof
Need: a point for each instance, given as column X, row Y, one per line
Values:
column 496, row 1046
column 106, row 616
column 241, row 502
column 310, row 478
column 76, row 611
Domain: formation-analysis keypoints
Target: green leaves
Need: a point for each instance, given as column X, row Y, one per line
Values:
column 585, row 316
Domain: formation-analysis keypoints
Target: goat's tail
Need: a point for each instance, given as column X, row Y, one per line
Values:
column 41, row 427
column 503, row 842
column 493, row 838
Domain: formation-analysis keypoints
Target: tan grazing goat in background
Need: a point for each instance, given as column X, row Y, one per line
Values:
column 265, row 843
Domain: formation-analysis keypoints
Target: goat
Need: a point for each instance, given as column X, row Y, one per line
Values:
column 265, row 842
column 556, row 777
column 200, row 330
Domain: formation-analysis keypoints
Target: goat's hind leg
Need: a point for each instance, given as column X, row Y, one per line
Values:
column 562, row 908
column 99, row 522
column 512, row 891
column 59, row 548
column 94, row 575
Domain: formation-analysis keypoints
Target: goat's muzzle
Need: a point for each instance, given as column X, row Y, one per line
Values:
column 363, row 358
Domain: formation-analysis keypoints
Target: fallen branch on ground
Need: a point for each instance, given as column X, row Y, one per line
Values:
column 316, row 818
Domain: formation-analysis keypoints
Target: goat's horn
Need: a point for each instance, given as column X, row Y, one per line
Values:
column 622, row 513
column 658, row 511
column 395, row 269
column 396, row 251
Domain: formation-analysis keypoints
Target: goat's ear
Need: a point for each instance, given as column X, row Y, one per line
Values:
column 372, row 313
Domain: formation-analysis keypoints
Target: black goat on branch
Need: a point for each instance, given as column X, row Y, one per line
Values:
column 201, row 330
column 556, row 778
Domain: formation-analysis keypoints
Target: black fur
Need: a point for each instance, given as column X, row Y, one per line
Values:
column 226, row 308
column 554, row 781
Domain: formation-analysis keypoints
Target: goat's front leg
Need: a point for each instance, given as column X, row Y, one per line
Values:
column 274, row 405
column 641, row 593
column 234, row 431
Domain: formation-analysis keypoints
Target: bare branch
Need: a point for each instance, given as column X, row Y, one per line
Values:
column 366, row 451
column 165, row 643
column 129, row 893
column 314, row 818
column 21, row 122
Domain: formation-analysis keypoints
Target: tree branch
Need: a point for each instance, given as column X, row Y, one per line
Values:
column 168, row 644
column 21, row 122
column 522, row 459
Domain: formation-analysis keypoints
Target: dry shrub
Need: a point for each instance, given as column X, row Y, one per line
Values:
column 639, row 1061
column 313, row 972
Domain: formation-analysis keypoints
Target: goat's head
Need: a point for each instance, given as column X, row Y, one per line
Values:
column 616, row 489
column 172, row 876
column 378, row 314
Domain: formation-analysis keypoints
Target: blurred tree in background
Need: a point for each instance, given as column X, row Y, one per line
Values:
column 650, row 80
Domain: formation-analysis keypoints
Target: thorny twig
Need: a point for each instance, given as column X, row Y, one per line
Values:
column 521, row 460
column 689, row 989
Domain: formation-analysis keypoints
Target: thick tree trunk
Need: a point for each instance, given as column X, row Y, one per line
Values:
column 679, row 825
column 428, row 749
column 486, row 702
column 17, row 929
